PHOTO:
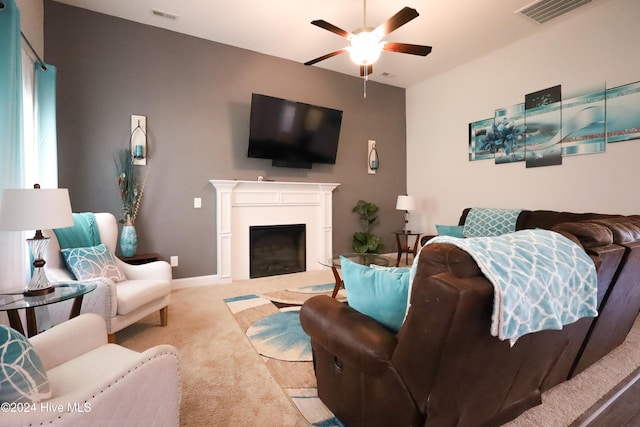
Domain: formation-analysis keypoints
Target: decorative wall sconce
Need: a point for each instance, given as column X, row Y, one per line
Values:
column 373, row 161
column 139, row 139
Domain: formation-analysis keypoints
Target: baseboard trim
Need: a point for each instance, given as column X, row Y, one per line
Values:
column 193, row 282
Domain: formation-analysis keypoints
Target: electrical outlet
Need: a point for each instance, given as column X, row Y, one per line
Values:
column 174, row 261
column 197, row 202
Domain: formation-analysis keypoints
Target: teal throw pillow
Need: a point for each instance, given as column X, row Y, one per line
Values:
column 23, row 378
column 379, row 293
column 450, row 230
column 92, row 262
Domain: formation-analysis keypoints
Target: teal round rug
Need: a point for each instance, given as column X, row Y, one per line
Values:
column 280, row 336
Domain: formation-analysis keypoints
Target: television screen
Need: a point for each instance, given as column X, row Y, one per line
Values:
column 293, row 133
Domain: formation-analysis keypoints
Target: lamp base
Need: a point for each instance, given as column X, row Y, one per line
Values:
column 39, row 284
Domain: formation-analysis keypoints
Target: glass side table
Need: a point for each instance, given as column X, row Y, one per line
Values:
column 11, row 303
column 363, row 259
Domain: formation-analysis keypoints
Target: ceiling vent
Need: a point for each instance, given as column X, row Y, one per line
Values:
column 542, row 11
column 166, row 15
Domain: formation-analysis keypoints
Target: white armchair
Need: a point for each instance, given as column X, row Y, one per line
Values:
column 146, row 290
column 97, row 383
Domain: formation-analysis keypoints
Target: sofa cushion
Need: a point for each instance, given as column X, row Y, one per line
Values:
column 23, row 378
column 450, row 230
column 92, row 262
column 133, row 294
column 377, row 292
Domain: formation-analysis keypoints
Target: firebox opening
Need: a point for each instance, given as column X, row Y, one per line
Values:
column 277, row 249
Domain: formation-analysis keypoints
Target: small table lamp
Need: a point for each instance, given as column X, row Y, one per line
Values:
column 36, row 209
column 406, row 204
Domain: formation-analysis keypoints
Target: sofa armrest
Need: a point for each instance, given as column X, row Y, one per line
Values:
column 70, row 339
column 154, row 270
column 347, row 333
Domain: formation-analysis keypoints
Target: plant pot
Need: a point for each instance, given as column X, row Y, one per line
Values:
column 128, row 241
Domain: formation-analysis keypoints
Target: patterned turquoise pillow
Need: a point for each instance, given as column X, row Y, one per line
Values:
column 380, row 293
column 92, row 262
column 23, row 378
column 488, row 222
column 450, row 230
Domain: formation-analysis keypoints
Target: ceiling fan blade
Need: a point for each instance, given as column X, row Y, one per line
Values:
column 396, row 21
column 330, row 27
column 369, row 70
column 413, row 49
column 327, row 56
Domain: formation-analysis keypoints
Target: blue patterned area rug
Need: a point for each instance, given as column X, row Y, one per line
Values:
column 276, row 335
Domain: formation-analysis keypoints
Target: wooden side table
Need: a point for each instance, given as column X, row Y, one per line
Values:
column 404, row 247
column 138, row 259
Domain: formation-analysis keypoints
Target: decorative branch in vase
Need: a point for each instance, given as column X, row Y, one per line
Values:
column 131, row 191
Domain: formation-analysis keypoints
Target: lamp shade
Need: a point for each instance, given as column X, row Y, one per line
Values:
column 406, row 203
column 35, row 209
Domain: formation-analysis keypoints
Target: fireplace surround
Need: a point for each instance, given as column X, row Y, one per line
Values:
column 242, row 204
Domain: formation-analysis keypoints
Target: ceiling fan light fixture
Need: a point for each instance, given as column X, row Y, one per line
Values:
column 365, row 48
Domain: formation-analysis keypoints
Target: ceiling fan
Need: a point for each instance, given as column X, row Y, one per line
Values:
column 367, row 42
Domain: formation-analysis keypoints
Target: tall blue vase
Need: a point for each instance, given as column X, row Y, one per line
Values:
column 128, row 241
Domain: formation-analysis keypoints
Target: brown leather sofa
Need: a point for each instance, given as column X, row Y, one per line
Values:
column 443, row 367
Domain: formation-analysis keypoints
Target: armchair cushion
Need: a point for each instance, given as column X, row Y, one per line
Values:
column 92, row 262
column 379, row 293
column 133, row 294
column 23, row 378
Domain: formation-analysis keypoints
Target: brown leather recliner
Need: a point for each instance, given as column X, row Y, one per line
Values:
column 443, row 367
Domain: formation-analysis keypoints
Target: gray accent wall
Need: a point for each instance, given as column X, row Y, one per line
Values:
column 196, row 95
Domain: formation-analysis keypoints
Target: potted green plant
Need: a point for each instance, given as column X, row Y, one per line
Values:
column 366, row 241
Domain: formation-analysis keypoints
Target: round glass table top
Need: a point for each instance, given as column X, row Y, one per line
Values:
column 61, row 292
column 363, row 259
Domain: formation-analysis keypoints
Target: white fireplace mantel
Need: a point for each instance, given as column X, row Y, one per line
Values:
column 242, row 204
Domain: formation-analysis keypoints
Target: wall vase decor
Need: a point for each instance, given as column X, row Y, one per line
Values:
column 128, row 241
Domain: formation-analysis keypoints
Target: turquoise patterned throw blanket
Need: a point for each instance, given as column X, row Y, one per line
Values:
column 541, row 280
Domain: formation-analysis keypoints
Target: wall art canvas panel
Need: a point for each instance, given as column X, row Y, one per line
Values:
column 543, row 123
column 479, row 147
column 583, row 124
column 623, row 112
column 507, row 134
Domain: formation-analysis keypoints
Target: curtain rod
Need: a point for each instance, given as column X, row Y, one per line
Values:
column 42, row 64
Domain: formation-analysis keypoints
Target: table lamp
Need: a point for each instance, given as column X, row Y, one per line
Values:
column 406, row 204
column 36, row 209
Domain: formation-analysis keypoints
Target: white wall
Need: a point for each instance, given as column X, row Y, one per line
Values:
column 31, row 23
column 581, row 53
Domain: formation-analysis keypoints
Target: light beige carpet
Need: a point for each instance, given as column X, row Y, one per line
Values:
column 226, row 383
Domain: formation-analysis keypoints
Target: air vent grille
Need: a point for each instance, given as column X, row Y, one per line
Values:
column 542, row 11
column 166, row 15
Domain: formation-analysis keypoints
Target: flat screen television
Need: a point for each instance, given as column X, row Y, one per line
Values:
column 293, row 134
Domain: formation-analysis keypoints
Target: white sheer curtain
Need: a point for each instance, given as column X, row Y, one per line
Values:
column 16, row 265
